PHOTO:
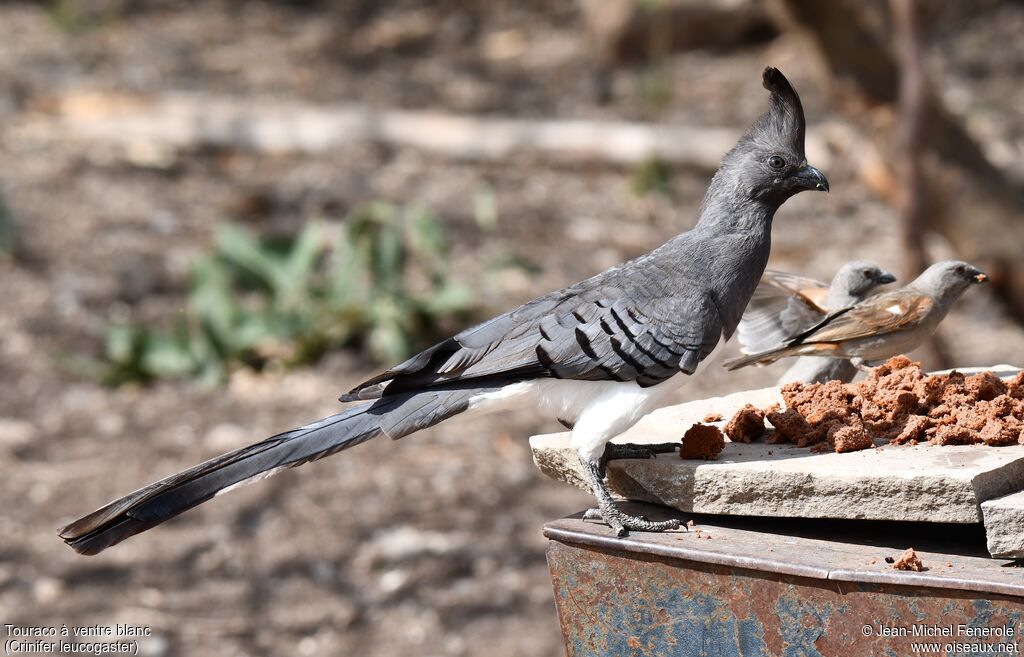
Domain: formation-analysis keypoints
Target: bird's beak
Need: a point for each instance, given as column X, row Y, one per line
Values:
column 885, row 277
column 810, row 178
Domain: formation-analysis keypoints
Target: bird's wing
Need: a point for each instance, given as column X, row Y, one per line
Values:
column 783, row 305
column 879, row 315
column 587, row 332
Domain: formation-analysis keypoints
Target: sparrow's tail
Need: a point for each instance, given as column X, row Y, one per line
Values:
column 394, row 416
column 760, row 358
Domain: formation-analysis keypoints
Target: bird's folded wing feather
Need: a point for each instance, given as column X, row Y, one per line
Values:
column 882, row 314
column 783, row 304
column 588, row 332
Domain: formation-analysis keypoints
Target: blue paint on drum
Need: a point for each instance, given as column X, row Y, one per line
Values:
column 799, row 636
column 647, row 620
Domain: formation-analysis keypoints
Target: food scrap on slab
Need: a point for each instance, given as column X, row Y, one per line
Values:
column 702, row 441
column 909, row 561
column 897, row 404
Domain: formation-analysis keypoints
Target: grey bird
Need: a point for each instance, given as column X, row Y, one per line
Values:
column 785, row 304
column 881, row 326
column 597, row 355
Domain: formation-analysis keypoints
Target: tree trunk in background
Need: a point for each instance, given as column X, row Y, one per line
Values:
column 911, row 125
column 643, row 31
column 974, row 204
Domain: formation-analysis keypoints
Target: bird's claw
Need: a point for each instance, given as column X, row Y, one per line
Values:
column 615, row 451
column 606, row 510
column 623, row 523
column 862, row 365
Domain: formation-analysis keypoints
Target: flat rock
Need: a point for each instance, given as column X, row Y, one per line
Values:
column 915, row 483
column 1004, row 525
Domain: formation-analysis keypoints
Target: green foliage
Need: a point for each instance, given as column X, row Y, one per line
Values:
column 381, row 285
column 485, row 209
column 652, row 176
column 71, row 17
column 8, row 231
column 655, row 87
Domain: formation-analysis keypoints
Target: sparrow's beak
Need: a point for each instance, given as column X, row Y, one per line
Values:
column 885, row 277
column 810, row 178
column 975, row 275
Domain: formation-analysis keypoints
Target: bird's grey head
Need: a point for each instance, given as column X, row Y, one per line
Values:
column 768, row 164
column 946, row 281
column 858, row 278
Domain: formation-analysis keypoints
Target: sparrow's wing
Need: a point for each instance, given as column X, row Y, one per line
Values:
column 783, row 305
column 588, row 332
column 878, row 315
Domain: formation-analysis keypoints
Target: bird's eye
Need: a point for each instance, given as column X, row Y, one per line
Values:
column 867, row 274
column 776, row 162
column 961, row 270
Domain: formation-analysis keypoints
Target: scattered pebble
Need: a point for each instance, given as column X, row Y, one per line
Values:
column 908, row 561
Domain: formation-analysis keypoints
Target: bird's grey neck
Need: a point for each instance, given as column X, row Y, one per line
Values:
column 741, row 227
column 944, row 295
column 730, row 210
column 839, row 296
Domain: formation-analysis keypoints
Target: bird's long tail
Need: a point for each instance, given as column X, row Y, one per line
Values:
column 394, row 416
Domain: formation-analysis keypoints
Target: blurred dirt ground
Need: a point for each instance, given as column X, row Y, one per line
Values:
column 427, row 546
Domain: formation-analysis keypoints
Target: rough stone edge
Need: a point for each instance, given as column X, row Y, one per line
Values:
column 1004, row 525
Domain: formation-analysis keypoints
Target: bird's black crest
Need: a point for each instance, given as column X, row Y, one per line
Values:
column 785, row 116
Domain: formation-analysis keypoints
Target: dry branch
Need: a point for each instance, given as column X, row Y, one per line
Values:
column 193, row 121
column 912, row 123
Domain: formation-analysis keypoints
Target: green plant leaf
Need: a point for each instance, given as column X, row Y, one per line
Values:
column 388, row 342
column 450, row 299
column 382, row 285
column 212, row 300
column 8, row 230
column 122, row 344
column 241, row 249
column 165, row 356
column 428, row 235
column 485, row 209
column 298, row 283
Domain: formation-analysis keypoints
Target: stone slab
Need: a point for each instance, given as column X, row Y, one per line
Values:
column 1004, row 525
column 915, row 483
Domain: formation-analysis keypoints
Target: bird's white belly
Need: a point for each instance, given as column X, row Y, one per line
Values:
column 599, row 410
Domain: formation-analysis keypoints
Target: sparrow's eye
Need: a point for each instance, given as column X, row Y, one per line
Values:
column 776, row 162
column 961, row 270
column 867, row 274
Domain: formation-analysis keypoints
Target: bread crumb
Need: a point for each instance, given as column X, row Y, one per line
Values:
column 712, row 417
column 702, row 441
column 909, row 561
column 897, row 403
column 746, row 425
column 849, row 438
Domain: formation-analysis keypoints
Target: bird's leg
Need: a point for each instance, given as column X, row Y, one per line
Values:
column 606, row 510
column 861, row 365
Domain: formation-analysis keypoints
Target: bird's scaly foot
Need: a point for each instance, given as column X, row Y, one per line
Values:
column 622, row 523
column 606, row 510
column 615, row 451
